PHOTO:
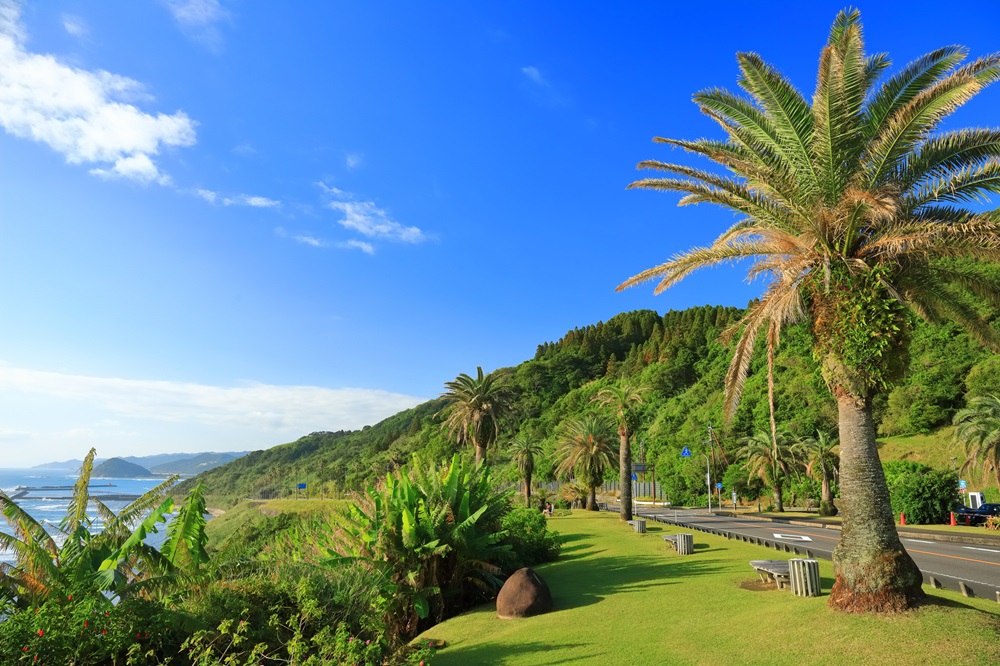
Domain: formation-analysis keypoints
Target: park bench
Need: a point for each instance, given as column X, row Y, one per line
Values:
column 682, row 543
column 776, row 570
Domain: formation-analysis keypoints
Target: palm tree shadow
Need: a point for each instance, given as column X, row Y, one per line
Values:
column 589, row 581
column 498, row 653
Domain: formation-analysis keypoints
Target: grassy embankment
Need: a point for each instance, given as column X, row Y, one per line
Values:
column 624, row 598
column 248, row 512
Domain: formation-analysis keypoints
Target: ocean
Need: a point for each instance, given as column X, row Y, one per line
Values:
column 50, row 511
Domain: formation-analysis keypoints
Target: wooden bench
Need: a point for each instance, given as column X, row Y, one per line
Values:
column 776, row 570
column 682, row 543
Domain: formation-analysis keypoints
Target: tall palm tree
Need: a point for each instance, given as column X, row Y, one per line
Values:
column 523, row 452
column 584, row 449
column 623, row 400
column 851, row 206
column 979, row 430
column 476, row 408
column 772, row 459
column 822, row 461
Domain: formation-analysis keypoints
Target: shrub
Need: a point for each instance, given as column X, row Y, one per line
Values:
column 992, row 523
column 529, row 538
column 925, row 495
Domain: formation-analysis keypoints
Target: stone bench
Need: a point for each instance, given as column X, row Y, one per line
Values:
column 682, row 543
column 776, row 570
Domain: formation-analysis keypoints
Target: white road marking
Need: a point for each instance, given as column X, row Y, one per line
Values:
column 988, row 550
column 918, row 541
column 792, row 537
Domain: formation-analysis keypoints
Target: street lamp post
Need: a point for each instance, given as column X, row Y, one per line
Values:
column 708, row 481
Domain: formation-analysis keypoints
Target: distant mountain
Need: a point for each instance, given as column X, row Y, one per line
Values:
column 65, row 464
column 149, row 462
column 116, row 468
column 161, row 463
column 200, row 463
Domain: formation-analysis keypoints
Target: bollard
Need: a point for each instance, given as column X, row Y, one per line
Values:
column 966, row 590
column 804, row 576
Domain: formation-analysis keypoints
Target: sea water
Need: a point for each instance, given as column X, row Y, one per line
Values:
column 49, row 512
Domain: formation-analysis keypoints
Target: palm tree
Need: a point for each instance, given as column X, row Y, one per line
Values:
column 585, row 450
column 979, row 430
column 523, row 452
column 623, row 400
column 821, row 458
column 476, row 408
column 851, row 206
column 772, row 460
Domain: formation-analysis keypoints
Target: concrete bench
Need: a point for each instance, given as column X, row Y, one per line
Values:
column 639, row 525
column 682, row 543
column 776, row 570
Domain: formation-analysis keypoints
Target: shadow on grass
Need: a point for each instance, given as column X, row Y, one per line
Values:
column 498, row 653
column 590, row 580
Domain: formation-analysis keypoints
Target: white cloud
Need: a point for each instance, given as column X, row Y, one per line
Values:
column 74, row 25
column 367, row 248
column 207, row 195
column 310, row 240
column 352, row 160
column 248, row 200
column 276, row 410
column 198, row 19
column 535, row 76
column 86, row 116
column 369, row 220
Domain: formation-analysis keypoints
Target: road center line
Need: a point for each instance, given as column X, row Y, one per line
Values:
column 988, row 550
column 957, row 557
column 918, row 541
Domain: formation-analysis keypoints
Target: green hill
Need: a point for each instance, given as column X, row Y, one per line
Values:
column 679, row 357
column 116, row 468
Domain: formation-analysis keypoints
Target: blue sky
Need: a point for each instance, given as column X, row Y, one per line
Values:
column 224, row 225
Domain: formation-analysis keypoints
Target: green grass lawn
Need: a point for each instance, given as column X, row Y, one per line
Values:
column 623, row 598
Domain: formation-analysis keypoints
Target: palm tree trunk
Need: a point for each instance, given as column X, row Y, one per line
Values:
column 777, row 493
column 625, row 475
column 592, row 499
column 527, row 491
column 480, row 454
column 873, row 572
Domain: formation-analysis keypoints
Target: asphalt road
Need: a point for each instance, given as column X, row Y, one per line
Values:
column 948, row 563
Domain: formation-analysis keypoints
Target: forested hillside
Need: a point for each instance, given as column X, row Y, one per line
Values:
column 678, row 356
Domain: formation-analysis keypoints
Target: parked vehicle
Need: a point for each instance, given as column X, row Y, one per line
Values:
column 969, row 516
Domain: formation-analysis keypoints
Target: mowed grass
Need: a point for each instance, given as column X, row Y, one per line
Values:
column 624, row 598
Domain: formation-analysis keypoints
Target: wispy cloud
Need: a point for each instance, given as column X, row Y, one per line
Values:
column 367, row 219
column 535, row 76
column 542, row 88
column 367, row 248
column 265, row 405
column 309, row 240
column 352, row 160
column 86, row 116
column 207, row 195
column 199, row 19
column 74, row 25
column 252, row 201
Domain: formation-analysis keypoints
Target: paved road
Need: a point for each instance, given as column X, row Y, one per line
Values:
column 948, row 563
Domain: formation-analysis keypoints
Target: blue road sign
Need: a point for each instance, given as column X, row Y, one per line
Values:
column 302, row 486
column 634, row 477
column 686, row 453
column 961, row 484
column 718, row 486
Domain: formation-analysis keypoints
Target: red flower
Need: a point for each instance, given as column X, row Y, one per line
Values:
column 41, row 632
column 138, row 635
column 86, row 623
column 70, row 597
column 25, row 648
column 103, row 632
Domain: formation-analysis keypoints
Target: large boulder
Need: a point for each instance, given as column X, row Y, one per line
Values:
column 524, row 594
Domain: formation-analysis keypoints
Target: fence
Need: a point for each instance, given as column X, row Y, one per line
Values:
column 639, row 489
